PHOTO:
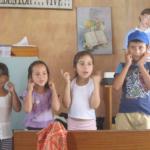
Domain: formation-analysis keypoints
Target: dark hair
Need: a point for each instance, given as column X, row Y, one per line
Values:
column 38, row 62
column 3, row 70
column 145, row 11
column 81, row 54
column 136, row 41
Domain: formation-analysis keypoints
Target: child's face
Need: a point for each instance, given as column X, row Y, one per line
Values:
column 84, row 67
column 137, row 50
column 145, row 20
column 3, row 80
column 39, row 75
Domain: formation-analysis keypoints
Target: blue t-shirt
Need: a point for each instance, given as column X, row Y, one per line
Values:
column 135, row 95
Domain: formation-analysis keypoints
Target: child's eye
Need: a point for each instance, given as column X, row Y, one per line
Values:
column 141, row 47
column 89, row 64
column 37, row 74
column 44, row 73
column 81, row 63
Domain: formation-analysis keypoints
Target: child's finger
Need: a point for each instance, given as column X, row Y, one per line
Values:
column 62, row 72
column 98, row 72
column 9, row 84
column 30, row 81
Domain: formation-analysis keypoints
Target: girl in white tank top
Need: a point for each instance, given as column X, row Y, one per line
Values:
column 8, row 100
column 81, row 95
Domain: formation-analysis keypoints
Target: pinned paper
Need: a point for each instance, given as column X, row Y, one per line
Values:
column 5, row 51
column 22, row 42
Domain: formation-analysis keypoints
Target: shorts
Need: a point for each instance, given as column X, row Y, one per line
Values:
column 76, row 124
column 132, row 121
column 6, row 144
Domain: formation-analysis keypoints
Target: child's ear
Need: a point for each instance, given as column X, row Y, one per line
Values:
column 30, row 79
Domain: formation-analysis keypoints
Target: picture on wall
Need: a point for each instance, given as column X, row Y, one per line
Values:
column 94, row 29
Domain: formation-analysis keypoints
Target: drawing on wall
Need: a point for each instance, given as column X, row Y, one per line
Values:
column 94, row 29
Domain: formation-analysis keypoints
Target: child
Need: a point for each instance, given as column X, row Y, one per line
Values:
column 81, row 94
column 40, row 98
column 133, row 78
column 8, row 100
column 144, row 25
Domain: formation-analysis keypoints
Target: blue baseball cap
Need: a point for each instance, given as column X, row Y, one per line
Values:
column 138, row 35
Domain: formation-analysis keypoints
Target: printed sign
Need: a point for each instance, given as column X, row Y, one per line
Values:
column 56, row 4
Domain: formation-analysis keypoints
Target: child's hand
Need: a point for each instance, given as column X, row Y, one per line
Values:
column 66, row 75
column 143, row 59
column 128, row 58
column 97, row 77
column 30, row 85
column 10, row 87
column 51, row 85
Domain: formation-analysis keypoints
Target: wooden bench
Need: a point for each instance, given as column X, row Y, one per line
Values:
column 91, row 140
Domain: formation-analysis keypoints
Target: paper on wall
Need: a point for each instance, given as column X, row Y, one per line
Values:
column 22, row 42
column 5, row 51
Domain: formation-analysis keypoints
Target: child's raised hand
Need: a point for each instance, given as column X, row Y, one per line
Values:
column 128, row 58
column 10, row 87
column 143, row 59
column 51, row 85
column 97, row 77
column 30, row 85
column 66, row 75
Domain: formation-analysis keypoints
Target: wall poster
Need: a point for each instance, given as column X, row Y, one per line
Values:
column 94, row 29
column 56, row 4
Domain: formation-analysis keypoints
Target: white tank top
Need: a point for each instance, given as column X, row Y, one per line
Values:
column 80, row 106
column 5, row 118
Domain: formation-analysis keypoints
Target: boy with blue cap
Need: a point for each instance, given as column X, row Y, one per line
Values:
column 132, row 78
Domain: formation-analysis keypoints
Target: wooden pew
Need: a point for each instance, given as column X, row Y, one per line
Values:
column 24, row 140
column 109, row 140
column 91, row 140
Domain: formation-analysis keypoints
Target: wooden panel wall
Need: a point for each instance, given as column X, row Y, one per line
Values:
column 55, row 34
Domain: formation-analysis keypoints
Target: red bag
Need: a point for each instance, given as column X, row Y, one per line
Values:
column 54, row 137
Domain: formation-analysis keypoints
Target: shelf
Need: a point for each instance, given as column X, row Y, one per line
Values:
column 24, row 51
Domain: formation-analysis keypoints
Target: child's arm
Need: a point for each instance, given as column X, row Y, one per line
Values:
column 15, row 100
column 119, row 79
column 55, row 99
column 27, row 103
column 143, row 71
column 67, row 92
column 95, row 98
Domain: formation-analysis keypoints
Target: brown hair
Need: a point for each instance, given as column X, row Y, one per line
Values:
column 145, row 11
column 81, row 54
column 3, row 70
column 38, row 62
column 78, row 56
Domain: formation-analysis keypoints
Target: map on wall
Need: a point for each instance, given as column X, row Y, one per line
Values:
column 94, row 29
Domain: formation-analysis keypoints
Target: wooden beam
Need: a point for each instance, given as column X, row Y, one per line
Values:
column 108, row 106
